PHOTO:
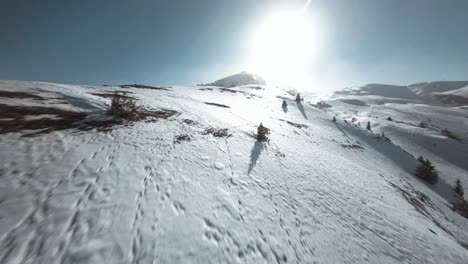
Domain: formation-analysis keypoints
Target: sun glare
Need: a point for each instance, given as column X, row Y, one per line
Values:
column 284, row 45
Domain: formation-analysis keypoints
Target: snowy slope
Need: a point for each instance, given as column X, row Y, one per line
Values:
column 452, row 93
column 169, row 191
column 437, row 87
column 460, row 92
column 240, row 79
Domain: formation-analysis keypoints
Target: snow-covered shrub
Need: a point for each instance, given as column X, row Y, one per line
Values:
column 459, row 188
column 123, row 106
column 389, row 119
column 426, row 171
column 262, row 133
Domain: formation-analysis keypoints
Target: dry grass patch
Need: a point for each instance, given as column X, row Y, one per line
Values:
column 218, row 105
column 20, row 95
column 141, row 86
column 217, row 132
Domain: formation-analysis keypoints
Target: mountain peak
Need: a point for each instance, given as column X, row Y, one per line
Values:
column 239, row 79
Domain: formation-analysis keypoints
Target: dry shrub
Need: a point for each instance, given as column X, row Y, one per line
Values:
column 123, row 107
column 423, row 125
column 450, row 134
column 217, row 132
column 459, row 188
column 262, row 133
column 180, row 138
column 461, row 207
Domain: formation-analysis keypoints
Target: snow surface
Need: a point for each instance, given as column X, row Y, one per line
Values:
column 243, row 78
column 318, row 192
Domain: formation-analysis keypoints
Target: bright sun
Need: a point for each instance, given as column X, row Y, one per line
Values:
column 284, row 45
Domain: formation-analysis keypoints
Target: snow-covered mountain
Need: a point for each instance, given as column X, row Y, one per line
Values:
column 240, row 79
column 185, row 181
column 443, row 92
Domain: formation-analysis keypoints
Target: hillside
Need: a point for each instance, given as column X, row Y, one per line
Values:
column 452, row 93
column 185, row 181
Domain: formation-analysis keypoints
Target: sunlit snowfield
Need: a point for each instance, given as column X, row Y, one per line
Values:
column 183, row 189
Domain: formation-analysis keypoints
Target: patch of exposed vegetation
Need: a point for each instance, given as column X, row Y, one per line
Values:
column 206, row 89
column 352, row 146
column 125, row 108
column 294, row 124
column 37, row 120
column 217, row 132
column 18, row 118
column 189, row 121
column 423, row 124
column 461, row 207
column 420, row 202
column 140, row 86
column 19, row 95
column 383, row 137
column 417, row 199
column 227, row 90
column 111, row 95
column 451, row 135
column 458, row 189
column 218, row 105
column 181, row 138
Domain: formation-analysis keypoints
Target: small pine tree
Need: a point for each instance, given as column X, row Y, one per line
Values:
column 262, row 133
column 284, row 105
column 368, row 126
column 427, row 171
column 334, row 119
column 459, row 188
column 298, row 98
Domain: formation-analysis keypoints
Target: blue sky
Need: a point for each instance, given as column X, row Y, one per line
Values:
column 187, row 42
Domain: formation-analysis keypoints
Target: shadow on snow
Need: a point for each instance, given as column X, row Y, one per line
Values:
column 255, row 154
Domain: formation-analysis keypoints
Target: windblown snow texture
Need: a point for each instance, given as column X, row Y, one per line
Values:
column 198, row 188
